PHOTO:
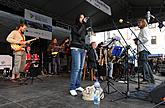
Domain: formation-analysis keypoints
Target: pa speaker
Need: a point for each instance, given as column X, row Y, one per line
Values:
column 158, row 93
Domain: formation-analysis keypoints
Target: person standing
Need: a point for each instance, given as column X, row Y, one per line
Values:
column 93, row 61
column 142, row 42
column 78, row 53
column 17, row 40
column 53, row 50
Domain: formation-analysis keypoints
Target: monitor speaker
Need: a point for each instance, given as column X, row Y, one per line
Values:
column 158, row 93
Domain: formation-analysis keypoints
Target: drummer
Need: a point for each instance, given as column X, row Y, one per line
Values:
column 28, row 54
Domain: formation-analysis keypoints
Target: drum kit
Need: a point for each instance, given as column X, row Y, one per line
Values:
column 31, row 67
column 31, row 59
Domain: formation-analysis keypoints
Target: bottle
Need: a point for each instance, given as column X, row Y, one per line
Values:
column 96, row 100
column 4, row 72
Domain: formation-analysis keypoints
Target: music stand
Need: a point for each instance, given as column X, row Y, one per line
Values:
column 116, row 51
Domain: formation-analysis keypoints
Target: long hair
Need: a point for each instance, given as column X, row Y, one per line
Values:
column 144, row 22
column 77, row 20
column 52, row 41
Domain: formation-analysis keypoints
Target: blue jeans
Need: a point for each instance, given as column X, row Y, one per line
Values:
column 78, row 59
column 145, row 67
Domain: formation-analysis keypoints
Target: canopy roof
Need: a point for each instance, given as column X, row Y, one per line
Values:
column 66, row 10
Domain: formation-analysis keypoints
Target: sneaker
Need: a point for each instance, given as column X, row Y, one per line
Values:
column 13, row 80
column 144, row 81
column 73, row 92
column 79, row 89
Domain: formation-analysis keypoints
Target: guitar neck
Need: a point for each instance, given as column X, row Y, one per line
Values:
column 31, row 40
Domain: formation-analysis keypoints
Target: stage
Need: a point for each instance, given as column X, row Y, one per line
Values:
column 53, row 92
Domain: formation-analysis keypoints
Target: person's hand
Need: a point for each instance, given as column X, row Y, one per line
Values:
column 22, row 42
column 136, row 40
column 27, row 42
column 85, row 19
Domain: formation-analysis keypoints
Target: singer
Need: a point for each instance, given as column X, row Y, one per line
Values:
column 143, row 53
column 78, row 53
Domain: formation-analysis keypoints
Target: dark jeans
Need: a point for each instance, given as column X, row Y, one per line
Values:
column 145, row 67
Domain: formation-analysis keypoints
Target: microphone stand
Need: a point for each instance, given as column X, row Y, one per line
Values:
column 126, row 59
column 109, row 83
column 138, row 88
column 157, row 20
column 138, row 38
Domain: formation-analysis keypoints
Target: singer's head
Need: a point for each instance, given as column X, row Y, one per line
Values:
column 142, row 23
column 79, row 19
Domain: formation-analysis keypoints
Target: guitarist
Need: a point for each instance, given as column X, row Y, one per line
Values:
column 17, row 37
column 53, row 50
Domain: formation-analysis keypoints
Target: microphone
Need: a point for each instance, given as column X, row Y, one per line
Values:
column 123, row 21
column 86, row 19
column 113, row 39
column 148, row 16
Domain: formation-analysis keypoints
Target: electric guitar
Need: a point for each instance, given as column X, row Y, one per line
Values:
column 20, row 47
column 61, row 48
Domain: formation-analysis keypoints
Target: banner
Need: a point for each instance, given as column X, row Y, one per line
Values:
column 38, row 25
column 100, row 5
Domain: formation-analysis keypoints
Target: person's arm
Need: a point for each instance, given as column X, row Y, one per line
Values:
column 144, row 36
column 11, row 38
column 78, row 31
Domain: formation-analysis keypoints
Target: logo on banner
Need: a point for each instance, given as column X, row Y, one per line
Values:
column 38, row 25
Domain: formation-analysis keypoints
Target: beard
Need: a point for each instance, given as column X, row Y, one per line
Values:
column 22, row 31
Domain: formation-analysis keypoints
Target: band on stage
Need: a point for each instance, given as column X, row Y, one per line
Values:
column 77, row 53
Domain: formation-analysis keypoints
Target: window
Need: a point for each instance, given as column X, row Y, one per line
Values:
column 153, row 39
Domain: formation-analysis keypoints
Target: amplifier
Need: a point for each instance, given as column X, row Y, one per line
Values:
column 5, row 62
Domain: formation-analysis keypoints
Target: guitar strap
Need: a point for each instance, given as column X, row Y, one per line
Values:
column 23, row 37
